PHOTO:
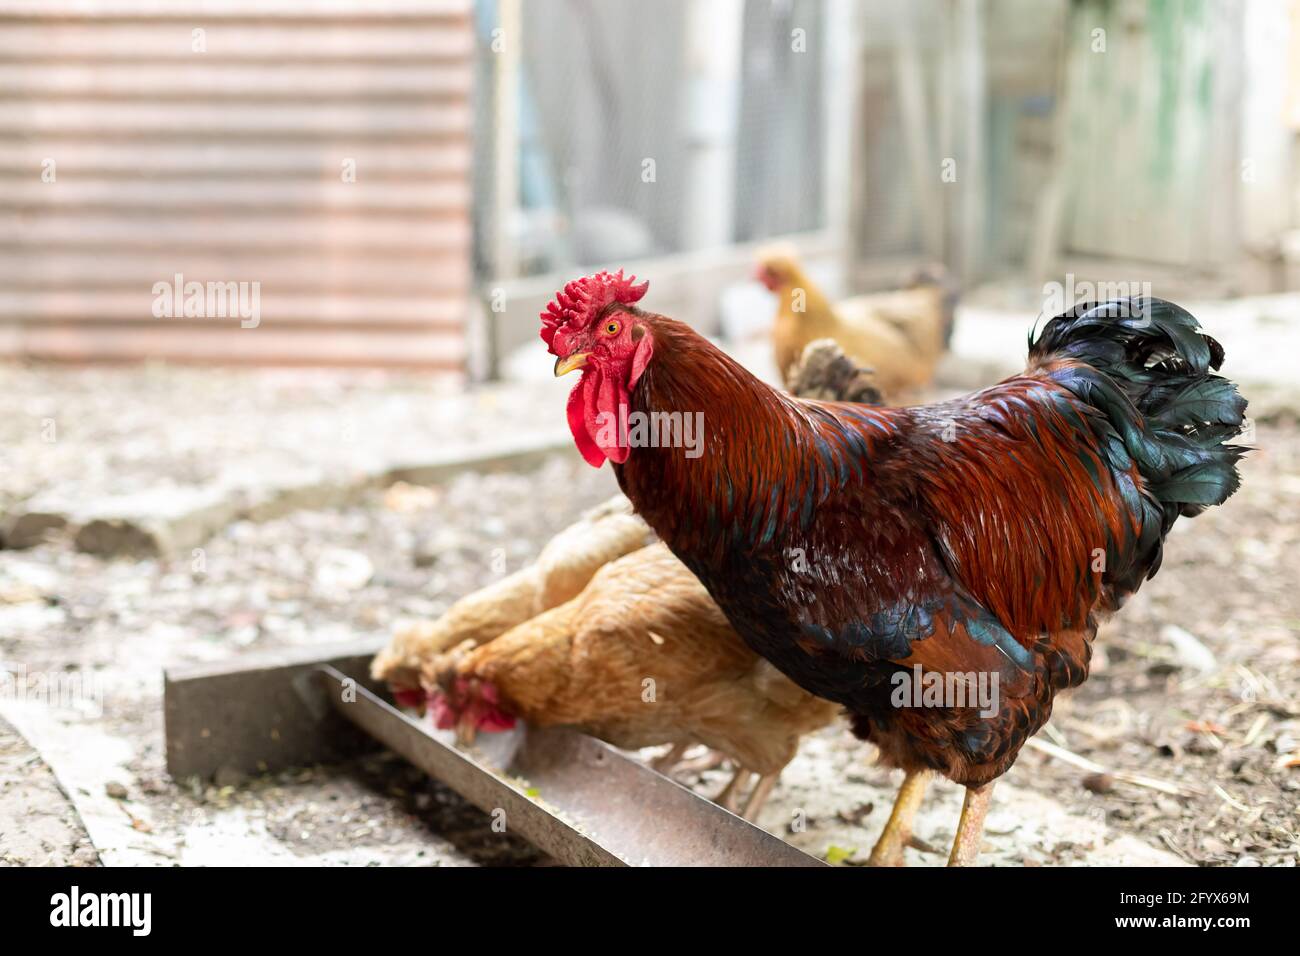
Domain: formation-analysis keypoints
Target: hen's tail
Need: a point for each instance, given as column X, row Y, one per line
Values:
column 1144, row 364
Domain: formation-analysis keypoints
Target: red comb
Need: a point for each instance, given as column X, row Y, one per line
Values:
column 581, row 299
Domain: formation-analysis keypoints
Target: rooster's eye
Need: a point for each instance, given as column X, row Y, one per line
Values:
column 611, row 328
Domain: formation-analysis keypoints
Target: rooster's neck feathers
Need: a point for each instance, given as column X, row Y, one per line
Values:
column 766, row 459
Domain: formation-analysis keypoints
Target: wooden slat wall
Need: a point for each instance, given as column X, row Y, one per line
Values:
column 1152, row 167
column 226, row 165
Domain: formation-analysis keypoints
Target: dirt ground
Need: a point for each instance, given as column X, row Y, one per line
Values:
column 38, row 824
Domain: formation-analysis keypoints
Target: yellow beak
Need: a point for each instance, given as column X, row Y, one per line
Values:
column 563, row 366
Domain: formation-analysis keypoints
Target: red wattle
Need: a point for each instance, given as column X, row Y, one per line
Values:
column 577, row 414
column 593, row 412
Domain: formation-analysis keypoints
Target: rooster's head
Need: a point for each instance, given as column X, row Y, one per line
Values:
column 594, row 325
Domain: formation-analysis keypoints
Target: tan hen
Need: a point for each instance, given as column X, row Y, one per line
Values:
column 641, row 657
column 900, row 335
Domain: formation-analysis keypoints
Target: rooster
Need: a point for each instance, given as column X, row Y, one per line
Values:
column 861, row 549
column 899, row 335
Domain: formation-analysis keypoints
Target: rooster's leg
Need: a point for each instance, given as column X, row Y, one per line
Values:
column 729, row 798
column 897, row 834
column 758, row 796
column 970, row 828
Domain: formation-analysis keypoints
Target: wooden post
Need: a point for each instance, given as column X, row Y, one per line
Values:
column 713, row 56
column 505, row 259
column 842, row 82
column 971, row 174
column 923, row 158
column 1043, row 258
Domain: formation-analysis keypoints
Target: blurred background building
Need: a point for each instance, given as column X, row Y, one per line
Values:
column 409, row 180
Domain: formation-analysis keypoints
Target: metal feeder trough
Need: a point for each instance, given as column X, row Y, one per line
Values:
column 576, row 798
